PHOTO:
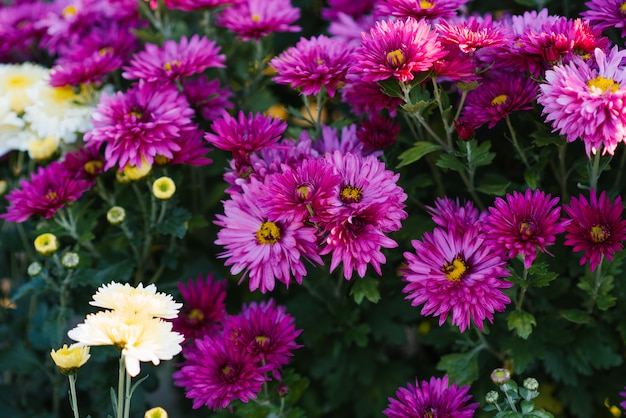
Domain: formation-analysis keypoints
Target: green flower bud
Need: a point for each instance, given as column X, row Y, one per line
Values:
column 500, row 376
column 70, row 260
column 116, row 215
column 34, row 268
column 530, row 383
column 492, row 396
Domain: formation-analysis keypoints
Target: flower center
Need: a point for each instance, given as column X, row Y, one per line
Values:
column 603, row 84
column 51, row 195
column 195, row 316
column 622, row 8
column 268, row 233
column 395, row 58
column 161, row 160
column 93, row 167
column 227, row 370
column 261, row 340
column 136, row 113
column 169, row 65
column 18, row 82
column 499, row 100
column 430, row 413
column 527, row 229
column 256, row 17
column 350, row 194
column 303, row 192
column 455, row 270
column 599, row 234
column 69, row 11
column 106, row 50
column 426, row 4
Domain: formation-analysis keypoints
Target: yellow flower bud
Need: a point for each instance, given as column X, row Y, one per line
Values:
column 70, row 359
column 135, row 173
column 46, row 244
column 163, row 188
column 157, row 412
column 43, row 149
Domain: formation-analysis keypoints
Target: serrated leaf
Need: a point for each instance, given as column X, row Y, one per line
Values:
column 604, row 302
column 576, row 316
column 522, row 322
column 451, row 162
column 542, row 280
column 366, row 287
column 391, row 87
column 460, row 367
column 419, row 150
column 358, row 335
column 175, row 223
column 494, row 189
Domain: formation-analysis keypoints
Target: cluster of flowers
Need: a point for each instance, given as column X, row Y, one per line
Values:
column 230, row 357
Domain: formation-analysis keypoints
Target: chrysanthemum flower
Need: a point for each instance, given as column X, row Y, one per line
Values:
column 140, row 300
column 456, row 274
column 70, row 359
column 204, row 307
column 378, row 132
column 207, row 97
column 597, row 227
column 451, row 215
column 397, row 49
column 497, row 98
column 266, row 331
column 140, row 337
column 346, row 7
column 623, row 395
column 332, row 139
column 174, row 60
column 16, row 80
column 586, row 101
column 139, row 124
column 523, row 224
column 348, row 28
column 47, row 191
column 435, row 398
column 254, row 19
column 471, row 33
column 21, row 31
column 264, row 248
column 423, row 9
column 606, row 14
column 314, row 63
column 214, row 375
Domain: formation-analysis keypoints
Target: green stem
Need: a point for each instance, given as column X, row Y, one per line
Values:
column 563, row 173
column 596, row 287
column 510, row 402
column 594, row 170
column 448, row 128
column 73, row 397
column 127, row 396
column 120, row 388
column 515, row 142
column 522, row 293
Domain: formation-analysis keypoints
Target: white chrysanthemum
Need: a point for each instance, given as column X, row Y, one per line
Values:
column 12, row 135
column 143, row 300
column 60, row 111
column 16, row 80
column 140, row 337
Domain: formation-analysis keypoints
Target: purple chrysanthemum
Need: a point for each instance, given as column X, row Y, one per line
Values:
column 347, row 7
column 623, row 395
column 497, row 98
column 471, row 33
column 424, row 9
column 397, row 49
column 606, row 14
column 587, row 101
column 140, row 124
column 214, row 375
column 597, row 227
column 265, row 331
column 434, row 398
column 254, row 19
column 263, row 248
column 20, row 30
column 523, row 224
column 452, row 216
column 85, row 163
column 314, row 63
column 457, row 274
column 332, row 139
column 193, row 150
column 378, row 132
column 174, row 60
column 348, row 28
column 207, row 97
column 191, row 5
column 204, row 309
column 47, row 191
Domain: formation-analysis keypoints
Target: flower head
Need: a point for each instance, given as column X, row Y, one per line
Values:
column 46, row 244
column 606, row 14
column 423, row 9
column 597, row 227
column 163, row 188
column 70, row 359
column 378, row 132
column 454, row 273
column 207, row 97
column 156, row 412
column 254, row 19
column 434, row 398
column 451, row 215
column 140, row 300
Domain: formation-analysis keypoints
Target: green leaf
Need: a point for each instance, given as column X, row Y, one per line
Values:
column 34, row 286
column 540, row 414
column 576, row 316
column 604, row 302
column 542, row 280
column 175, row 223
column 391, row 87
column 460, row 367
column 451, row 162
column 367, row 287
column 494, row 189
column 358, row 335
column 522, row 322
column 480, row 154
column 419, row 150
column 527, row 406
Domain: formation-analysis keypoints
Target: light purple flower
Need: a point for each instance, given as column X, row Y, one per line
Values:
column 255, row 19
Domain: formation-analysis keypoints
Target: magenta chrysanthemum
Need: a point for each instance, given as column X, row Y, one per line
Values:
column 214, row 375
column 312, row 64
column 140, row 124
column 191, row 5
column 365, row 97
column 174, row 60
column 378, row 132
column 254, row 19
column 434, row 398
column 472, row 33
column 85, row 163
column 207, row 97
column 597, row 227
column 456, row 274
column 523, row 224
column 397, row 49
column 204, row 308
column 263, row 248
column 606, row 14
column 47, row 191
column 452, row 216
column 424, row 9
column 587, row 101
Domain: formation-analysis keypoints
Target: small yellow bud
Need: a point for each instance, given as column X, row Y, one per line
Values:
column 116, row 215
column 157, row 412
column 43, row 149
column 136, row 173
column 46, row 244
column 3, row 187
column 163, row 188
column 70, row 359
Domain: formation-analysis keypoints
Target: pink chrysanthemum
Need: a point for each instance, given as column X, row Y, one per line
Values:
column 47, row 191
column 452, row 216
column 191, row 5
column 523, row 224
column 365, row 97
column 457, row 274
column 174, row 60
column 20, row 30
column 472, row 33
column 266, row 331
column 140, row 124
column 606, row 14
column 347, row 7
column 332, row 139
column 263, row 248
column 586, row 101
column 86, row 163
column 597, row 227
column 456, row 65
column 246, row 134
column 378, row 132
column 254, row 19
column 497, row 98
column 314, row 63
column 397, row 49
column 204, row 309
column 207, row 97
column 427, row 10
column 623, row 395
column 214, row 375
column 348, row 28
column 432, row 398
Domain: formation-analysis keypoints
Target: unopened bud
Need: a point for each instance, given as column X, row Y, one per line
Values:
column 46, row 244
column 163, row 188
column 116, row 215
column 464, row 130
column 70, row 260
column 492, row 396
column 157, row 412
column 531, row 383
column 500, row 376
column 34, row 268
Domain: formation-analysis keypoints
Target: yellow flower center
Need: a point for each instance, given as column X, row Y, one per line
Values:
column 69, row 11
column 51, row 195
column 351, row 194
column 63, row 94
column 456, row 270
column 256, row 17
column 136, row 114
column 268, row 233
column 622, row 8
column 261, row 340
column 161, row 160
column 498, row 100
column 93, row 167
column 195, row 316
column 527, row 229
column 18, row 82
column 426, row 4
column 395, row 57
column 227, row 370
column 169, row 65
column 303, row 192
column 603, row 84
column 599, row 234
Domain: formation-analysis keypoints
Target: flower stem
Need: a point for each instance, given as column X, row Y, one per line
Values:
column 120, row 388
column 73, row 397
column 127, row 396
column 522, row 292
column 519, row 150
column 594, row 170
column 596, row 287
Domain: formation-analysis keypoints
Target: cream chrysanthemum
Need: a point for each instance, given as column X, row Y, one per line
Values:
column 11, row 128
column 140, row 337
column 141, row 300
column 70, row 359
column 16, row 80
